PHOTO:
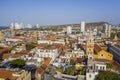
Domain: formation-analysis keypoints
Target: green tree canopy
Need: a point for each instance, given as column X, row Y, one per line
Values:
column 70, row 71
column 112, row 36
column 82, row 72
column 108, row 76
column 30, row 46
column 72, row 62
column 118, row 34
column 18, row 63
column 108, row 65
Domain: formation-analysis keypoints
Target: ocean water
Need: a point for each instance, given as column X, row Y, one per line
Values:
column 3, row 27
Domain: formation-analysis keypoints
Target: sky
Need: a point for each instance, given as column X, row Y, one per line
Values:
column 58, row 12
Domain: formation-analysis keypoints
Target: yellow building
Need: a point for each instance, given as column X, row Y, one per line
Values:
column 51, row 37
column 0, row 36
column 79, row 66
column 96, row 50
column 99, row 53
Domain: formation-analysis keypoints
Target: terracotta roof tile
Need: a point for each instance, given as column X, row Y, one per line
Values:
column 97, row 48
column 45, row 65
column 5, row 74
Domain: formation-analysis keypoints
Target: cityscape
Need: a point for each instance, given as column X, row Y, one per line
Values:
column 64, row 49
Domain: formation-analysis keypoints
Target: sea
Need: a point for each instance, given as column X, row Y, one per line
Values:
column 3, row 27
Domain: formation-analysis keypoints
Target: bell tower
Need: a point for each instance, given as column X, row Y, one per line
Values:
column 90, row 44
column 90, row 51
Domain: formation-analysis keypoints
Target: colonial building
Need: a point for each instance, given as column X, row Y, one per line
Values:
column 93, row 66
column 96, row 50
column 46, row 52
column 99, row 53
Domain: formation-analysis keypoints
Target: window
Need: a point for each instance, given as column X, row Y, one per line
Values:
column 90, row 40
column 100, row 67
column 91, row 67
column 101, row 54
column 90, row 76
column 90, row 58
column 103, row 68
column 97, row 67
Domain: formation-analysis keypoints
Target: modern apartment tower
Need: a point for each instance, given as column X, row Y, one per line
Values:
column 107, row 29
column 69, row 30
column 82, row 27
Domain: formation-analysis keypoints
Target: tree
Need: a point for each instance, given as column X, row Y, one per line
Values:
column 118, row 34
column 72, row 62
column 108, row 76
column 18, row 63
column 70, row 71
column 82, row 72
column 109, row 66
column 78, row 32
column 62, row 68
column 112, row 36
column 30, row 46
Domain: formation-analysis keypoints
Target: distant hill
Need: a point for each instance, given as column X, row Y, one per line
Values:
column 93, row 25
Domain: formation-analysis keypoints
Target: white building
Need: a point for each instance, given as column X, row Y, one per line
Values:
column 39, row 52
column 107, row 29
column 94, row 67
column 69, row 30
column 18, row 26
column 82, row 27
column 91, row 75
column 28, row 26
column 51, row 42
column 12, row 26
column 98, row 66
column 37, row 26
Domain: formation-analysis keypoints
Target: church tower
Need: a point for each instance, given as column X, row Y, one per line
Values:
column 90, row 44
column 90, row 51
column 91, row 72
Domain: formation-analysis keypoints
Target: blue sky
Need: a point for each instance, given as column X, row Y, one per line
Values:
column 53, row 12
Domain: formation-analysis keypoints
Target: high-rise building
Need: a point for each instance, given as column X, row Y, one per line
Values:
column 82, row 27
column 107, row 29
column 69, row 30
column 11, row 27
column 28, row 26
column 19, row 26
column 37, row 26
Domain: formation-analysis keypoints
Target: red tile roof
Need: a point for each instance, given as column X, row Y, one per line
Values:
column 45, row 65
column 97, row 48
column 5, row 74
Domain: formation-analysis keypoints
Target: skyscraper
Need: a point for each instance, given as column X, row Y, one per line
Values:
column 69, row 30
column 107, row 29
column 11, row 27
column 82, row 27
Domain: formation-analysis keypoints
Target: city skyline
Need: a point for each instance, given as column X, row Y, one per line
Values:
column 55, row 12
